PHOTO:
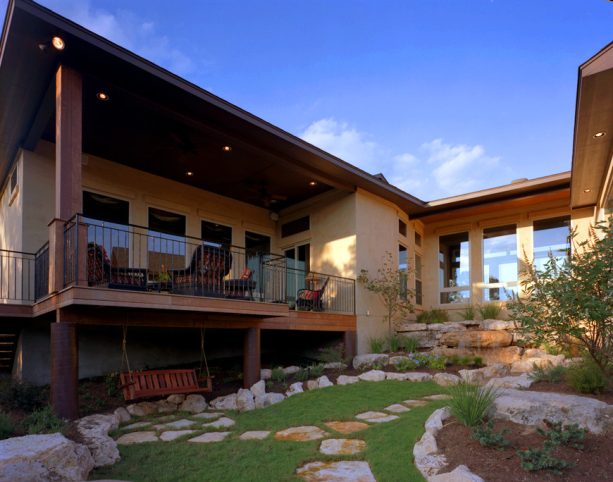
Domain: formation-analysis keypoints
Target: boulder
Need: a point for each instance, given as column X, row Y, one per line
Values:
column 460, row 474
column 245, row 400
column 508, row 354
column 122, row 415
column 370, row 360
column 372, row 376
column 194, row 403
column 137, row 438
column 312, row 384
column 324, row 382
column 176, row 398
column 291, row 370
column 294, row 389
column 227, row 402
column 476, row 339
column 258, row 388
column 531, row 408
column 425, row 339
column 436, row 419
column 498, row 325
column 164, row 406
column 481, row 375
column 446, row 379
column 410, row 327
column 94, row 432
column 527, row 363
column 268, row 399
column 142, row 409
column 418, row 377
column 39, row 458
column 446, row 327
column 395, row 360
column 522, row 381
column 427, row 459
column 346, row 380
column 265, row 374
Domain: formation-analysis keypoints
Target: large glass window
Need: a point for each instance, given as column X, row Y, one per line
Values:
column 403, row 267
column 166, row 240
column 216, row 233
column 454, row 268
column 551, row 238
column 418, row 282
column 499, row 263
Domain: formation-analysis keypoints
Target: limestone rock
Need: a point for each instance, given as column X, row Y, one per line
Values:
column 227, row 402
column 427, row 460
column 446, row 327
column 446, row 379
column 209, row 437
column 171, row 435
column 137, row 438
column 435, row 421
column 324, row 382
column 142, row 409
column 522, row 381
column 480, row 375
column 194, row 404
column 255, row 435
column 164, row 406
column 527, row 363
column 396, row 408
column 508, row 354
column 409, row 327
column 347, row 427
column 425, row 339
column 334, row 366
column 342, row 446
column 312, row 384
column 268, row 399
column 122, row 415
column 294, row 389
column 347, row 471
column 375, row 417
column 177, row 398
column 531, row 408
column 370, row 360
column 372, row 376
column 176, row 425
column 418, row 377
column 94, row 432
column 208, row 415
column 498, row 325
column 39, row 458
column 265, row 374
column 395, row 360
column 291, row 370
column 476, row 339
column 223, row 422
column 460, row 474
column 258, row 388
column 301, row 434
column 245, row 400
column 133, row 426
column 346, row 380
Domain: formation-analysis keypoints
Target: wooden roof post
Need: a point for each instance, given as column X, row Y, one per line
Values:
column 64, row 369
column 251, row 357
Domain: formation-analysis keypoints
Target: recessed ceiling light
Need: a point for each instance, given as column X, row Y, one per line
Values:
column 587, row 190
column 103, row 96
column 313, row 183
column 189, row 173
column 58, row 43
column 600, row 134
column 226, row 148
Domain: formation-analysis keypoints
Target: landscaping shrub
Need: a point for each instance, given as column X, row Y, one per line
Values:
column 302, row 375
column 471, row 403
column 535, row 459
column 477, row 361
column 278, row 375
column 332, row 353
column 437, row 362
column 489, row 311
column 22, row 396
column 315, row 371
column 406, row 365
column 7, row 428
column 393, row 343
column 43, row 420
column 435, row 315
column 548, row 373
column 111, row 381
column 468, row 313
column 377, row 345
column 485, row 435
column 586, row 377
column 408, row 343
column 566, row 435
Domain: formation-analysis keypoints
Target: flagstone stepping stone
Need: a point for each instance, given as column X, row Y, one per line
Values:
column 174, row 434
column 348, row 471
column 207, row 415
column 132, row 426
column 301, row 434
column 179, row 424
column 342, row 446
column 137, row 438
column 376, row 417
column 223, row 422
column 415, row 403
column 347, row 427
column 255, row 435
column 165, row 419
column 210, row 437
column 396, row 408
column 437, row 397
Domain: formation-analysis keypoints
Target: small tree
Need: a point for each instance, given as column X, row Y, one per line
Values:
column 573, row 300
column 391, row 286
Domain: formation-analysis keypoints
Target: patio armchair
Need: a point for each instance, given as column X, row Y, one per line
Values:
column 310, row 298
column 205, row 273
column 100, row 271
column 242, row 287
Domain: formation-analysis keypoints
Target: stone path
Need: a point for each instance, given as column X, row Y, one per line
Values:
column 336, row 472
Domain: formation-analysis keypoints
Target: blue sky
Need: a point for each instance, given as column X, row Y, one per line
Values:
column 442, row 96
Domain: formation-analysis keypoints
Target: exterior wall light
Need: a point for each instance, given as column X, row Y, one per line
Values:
column 599, row 134
column 58, row 43
column 226, row 148
column 102, row 96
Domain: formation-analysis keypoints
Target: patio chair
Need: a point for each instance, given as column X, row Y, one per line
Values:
column 242, row 287
column 312, row 299
column 205, row 273
column 100, row 272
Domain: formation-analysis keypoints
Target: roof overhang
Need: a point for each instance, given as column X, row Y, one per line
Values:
column 594, row 114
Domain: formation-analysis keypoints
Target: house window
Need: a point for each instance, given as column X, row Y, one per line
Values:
column 296, row 226
column 107, row 221
column 454, row 268
column 402, row 227
column 217, row 234
column 403, row 268
column 499, row 263
column 417, row 239
column 167, row 246
column 256, row 243
column 551, row 238
column 418, row 282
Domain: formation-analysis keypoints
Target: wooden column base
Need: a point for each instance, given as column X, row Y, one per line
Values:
column 349, row 340
column 251, row 357
column 64, row 370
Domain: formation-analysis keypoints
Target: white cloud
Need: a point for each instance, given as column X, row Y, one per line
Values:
column 438, row 169
column 128, row 30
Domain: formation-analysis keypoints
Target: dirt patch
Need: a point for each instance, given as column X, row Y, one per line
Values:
column 593, row 463
column 563, row 387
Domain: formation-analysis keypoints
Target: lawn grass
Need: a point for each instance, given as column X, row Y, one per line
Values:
column 389, row 451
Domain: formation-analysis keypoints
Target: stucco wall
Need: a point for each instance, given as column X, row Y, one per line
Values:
column 11, row 209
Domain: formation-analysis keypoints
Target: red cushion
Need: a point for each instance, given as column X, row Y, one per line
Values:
column 246, row 274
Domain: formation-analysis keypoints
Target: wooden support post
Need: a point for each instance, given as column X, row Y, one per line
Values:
column 349, row 340
column 64, row 370
column 251, row 357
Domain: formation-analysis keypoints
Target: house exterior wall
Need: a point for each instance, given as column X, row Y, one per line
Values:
column 11, row 212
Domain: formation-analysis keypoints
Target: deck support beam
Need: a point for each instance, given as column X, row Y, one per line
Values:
column 251, row 357
column 349, row 340
column 64, row 370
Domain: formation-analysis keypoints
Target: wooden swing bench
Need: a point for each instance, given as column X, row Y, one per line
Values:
column 155, row 383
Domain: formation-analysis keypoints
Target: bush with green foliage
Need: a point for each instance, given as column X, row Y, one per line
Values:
column 437, row 362
column 333, row 353
column 22, row 396
column 7, row 429
column 487, row 437
column 43, row 420
column 566, row 435
column 302, row 375
column 435, row 315
column 315, row 371
column 405, row 365
column 470, row 403
column 548, row 373
column 377, row 345
column 477, row 361
column 393, row 343
column 111, row 382
column 540, row 458
column 408, row 343
column 586, row 377
column 489, row 311
column 278, row 375
column 573, row 299
column 468, row 313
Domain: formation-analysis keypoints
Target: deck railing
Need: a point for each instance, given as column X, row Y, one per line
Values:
column 41, row 272
column 17, row 276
